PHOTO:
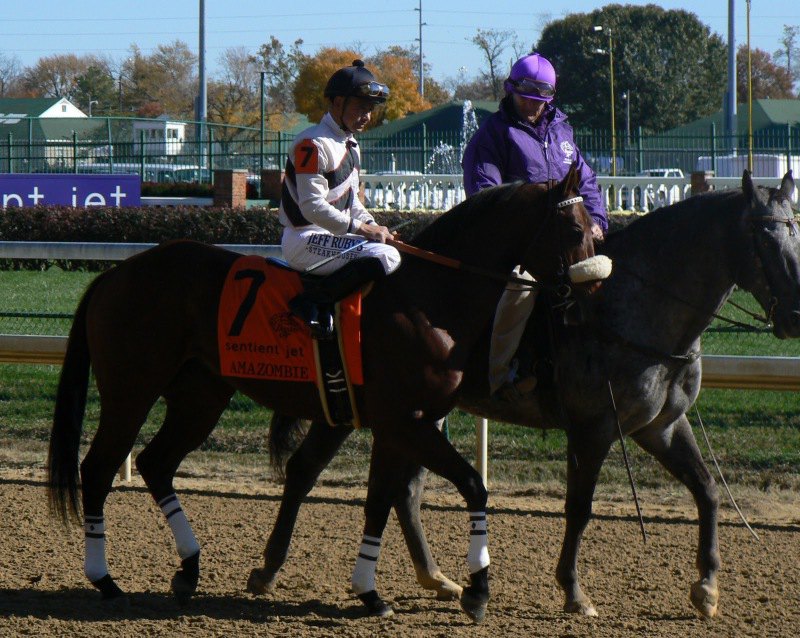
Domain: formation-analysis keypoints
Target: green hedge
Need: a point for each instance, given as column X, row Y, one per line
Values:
column 156, row 224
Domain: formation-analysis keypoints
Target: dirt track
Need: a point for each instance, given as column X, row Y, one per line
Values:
column 638, row 590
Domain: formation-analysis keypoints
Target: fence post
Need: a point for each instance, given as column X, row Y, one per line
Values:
column 230, row 188
column 713, row 148
column 30, row 145
column 640, row 147
column 141, row 154
column 10, row 153
column 210, row 154
column 788, row 147
column 74, row 152
column 110, row 146
column 424, row 146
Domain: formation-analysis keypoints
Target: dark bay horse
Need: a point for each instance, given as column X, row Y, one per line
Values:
column 148, row 328
column 673, row 269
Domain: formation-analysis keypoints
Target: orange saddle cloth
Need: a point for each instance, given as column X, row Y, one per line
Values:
column 260, row 339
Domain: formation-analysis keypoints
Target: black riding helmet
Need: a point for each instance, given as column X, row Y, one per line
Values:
column 356, row 81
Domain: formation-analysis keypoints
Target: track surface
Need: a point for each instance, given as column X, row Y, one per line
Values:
column 639, row 590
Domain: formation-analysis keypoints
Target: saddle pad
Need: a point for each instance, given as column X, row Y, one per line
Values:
column 260, row 339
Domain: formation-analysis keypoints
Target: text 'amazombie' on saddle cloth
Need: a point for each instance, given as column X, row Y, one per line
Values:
column 259, row 338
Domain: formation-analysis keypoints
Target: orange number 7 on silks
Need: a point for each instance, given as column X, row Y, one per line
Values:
column 306, row 157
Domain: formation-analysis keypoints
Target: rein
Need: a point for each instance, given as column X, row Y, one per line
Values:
column 455, row 264
column 694, row 355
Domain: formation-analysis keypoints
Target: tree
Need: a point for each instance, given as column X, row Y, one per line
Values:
column 281, row 68
column 790, row 51
column 96, row 84
column 164, row 82
column 493, row 44
column 768, row 79
column 674, row 63
column 435, row 93
column 233, row 97
column 394, row 71
column 10, row 76
column 55, row 75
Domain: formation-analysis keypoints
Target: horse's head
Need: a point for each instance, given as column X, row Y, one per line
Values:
column 565, row 234
column 774, row 279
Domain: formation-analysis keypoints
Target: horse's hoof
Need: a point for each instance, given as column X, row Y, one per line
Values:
column 448, row 590
column 261, row 582
column 375, row 605
column 705, row 598
column 184, row 582
column 582, row 607
column 475, row 597
column 445, row 588
column 108, row 588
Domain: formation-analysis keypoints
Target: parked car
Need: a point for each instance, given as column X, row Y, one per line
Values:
column 658, row 194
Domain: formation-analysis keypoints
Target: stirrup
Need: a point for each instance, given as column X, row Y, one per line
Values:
column 517, row 390
column 318, row 317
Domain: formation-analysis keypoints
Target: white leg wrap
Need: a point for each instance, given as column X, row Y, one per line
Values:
column 95, row 565
column 185, row 541
column 478, row 554
column 363, row 579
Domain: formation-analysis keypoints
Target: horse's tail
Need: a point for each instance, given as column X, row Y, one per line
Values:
column 285, row 434
column 62, row 457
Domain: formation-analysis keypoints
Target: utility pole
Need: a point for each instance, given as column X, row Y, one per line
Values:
column 419, row 39
column 201, row 107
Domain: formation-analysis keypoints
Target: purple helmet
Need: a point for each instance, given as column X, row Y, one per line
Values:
column 532, row 76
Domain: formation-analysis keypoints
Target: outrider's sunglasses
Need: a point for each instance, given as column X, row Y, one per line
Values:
column 534, row 87
column 372, row 89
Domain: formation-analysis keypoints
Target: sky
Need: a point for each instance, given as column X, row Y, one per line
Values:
column 40, row 28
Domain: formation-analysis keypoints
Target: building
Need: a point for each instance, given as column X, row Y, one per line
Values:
column 40, row 132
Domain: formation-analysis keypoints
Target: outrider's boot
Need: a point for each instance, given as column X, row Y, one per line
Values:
column 315, row 304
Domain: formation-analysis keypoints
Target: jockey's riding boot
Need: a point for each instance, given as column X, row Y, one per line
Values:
column 315, row 305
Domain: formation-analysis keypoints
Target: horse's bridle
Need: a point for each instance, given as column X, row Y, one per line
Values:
column 692, row 356
column 759, row 222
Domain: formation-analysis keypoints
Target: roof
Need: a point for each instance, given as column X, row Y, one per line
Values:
column 766, row 114
column 448, row 117
column 27, row 107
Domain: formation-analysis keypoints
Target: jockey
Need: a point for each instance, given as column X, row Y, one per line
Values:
column 320, row 210
column 527, row 139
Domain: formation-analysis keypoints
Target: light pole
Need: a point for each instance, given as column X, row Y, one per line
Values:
column 419, row 39
column 610, row 53
column 90, row 106
column 261, row 138
column 627, row 97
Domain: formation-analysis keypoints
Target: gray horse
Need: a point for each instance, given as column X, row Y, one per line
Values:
column 673, row 269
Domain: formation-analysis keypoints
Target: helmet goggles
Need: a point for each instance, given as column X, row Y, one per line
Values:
column 533, row 88
column 372, row 90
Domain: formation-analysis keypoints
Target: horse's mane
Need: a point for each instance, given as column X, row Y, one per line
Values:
column 471, row 212
column 652, row 223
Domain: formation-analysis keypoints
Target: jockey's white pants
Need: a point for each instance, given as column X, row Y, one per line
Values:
column 513, row 311
column 304, row 247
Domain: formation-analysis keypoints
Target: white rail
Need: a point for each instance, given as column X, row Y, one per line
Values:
column 441, row 192
column 763, row 373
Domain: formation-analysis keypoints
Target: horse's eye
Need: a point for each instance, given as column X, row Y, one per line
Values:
column 575, row 233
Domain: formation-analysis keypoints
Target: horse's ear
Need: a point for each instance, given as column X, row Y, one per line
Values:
column 572, row 179
column 747, row 187
column 787, row 185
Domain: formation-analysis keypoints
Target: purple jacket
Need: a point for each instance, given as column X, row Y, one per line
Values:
column 506, row 149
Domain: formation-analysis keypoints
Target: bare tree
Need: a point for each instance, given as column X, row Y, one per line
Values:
column 281, row 67
column 10, row 75
column 790, row 51
column 493, row 43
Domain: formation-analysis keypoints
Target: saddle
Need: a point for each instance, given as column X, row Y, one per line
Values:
column 259, row 338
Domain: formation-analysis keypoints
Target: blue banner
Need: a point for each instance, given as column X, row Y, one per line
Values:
column 68, row 189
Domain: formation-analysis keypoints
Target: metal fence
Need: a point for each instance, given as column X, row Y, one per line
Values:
column 121, row 145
